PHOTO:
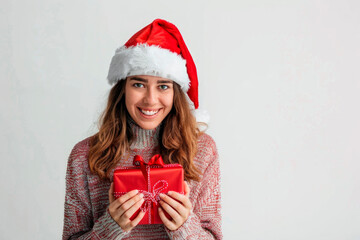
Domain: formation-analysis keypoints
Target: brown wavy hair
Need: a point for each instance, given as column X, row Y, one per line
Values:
column 178, row 135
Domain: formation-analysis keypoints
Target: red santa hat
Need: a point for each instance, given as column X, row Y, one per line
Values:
column 158, row 50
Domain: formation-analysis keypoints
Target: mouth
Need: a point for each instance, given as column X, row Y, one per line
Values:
column 149, row 112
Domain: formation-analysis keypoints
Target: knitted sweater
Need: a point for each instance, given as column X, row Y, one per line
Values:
column 86, row 200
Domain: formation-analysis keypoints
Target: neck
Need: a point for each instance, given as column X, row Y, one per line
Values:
column 144, row 138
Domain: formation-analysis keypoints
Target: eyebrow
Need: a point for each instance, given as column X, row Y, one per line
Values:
column 146, row 81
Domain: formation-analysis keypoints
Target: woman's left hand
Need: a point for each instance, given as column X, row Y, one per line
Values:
column 177, row 205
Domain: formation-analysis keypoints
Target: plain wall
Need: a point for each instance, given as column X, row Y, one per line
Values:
column 280, row 80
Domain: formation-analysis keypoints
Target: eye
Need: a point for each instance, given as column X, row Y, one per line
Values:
column 163, row 87
column 138, row 85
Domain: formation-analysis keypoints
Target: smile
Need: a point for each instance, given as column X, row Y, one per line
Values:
column 149, row 112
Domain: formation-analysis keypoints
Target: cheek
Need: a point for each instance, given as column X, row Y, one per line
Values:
column 169, row 100
column 130, row 106
column 130, row 100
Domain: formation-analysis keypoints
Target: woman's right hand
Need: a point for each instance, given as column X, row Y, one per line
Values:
column 124, row 207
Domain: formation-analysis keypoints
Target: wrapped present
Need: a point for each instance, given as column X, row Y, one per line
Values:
column 151, row 179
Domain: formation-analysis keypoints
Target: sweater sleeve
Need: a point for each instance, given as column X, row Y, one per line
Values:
column 78, row 216
column 204, row 221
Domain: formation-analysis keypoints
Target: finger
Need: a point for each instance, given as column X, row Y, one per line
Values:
column 129, row 204
column 122, row 213
column 111, row 193
column 187, row 189
column 172, row 212
column 173, row 203
column 121, row 200
column 178, row 196
column 131, row 210
column 136, row 220
column 169, row 224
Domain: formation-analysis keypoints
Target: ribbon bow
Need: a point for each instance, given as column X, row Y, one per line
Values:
column 155, row 160
column 151, row 197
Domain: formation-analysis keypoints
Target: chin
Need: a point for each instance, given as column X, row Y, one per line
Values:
column 148, row 122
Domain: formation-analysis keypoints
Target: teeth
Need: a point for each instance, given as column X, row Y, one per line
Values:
column 149, row 113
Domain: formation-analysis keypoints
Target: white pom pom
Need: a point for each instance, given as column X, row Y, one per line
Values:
column 201, row 115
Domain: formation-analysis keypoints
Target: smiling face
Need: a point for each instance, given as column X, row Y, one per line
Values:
column 148, row 99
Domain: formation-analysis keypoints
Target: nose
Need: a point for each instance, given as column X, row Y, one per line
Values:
column 150, row 97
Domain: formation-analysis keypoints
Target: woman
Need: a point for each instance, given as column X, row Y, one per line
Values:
column 149, row 111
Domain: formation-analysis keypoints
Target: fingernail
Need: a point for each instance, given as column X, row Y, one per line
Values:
column 141, row 195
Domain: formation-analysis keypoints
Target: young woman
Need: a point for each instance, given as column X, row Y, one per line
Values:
column 150, row 110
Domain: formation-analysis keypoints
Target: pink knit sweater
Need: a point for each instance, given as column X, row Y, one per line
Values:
column 86, row 200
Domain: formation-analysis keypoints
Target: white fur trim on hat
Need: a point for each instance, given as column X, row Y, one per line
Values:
column 201, row 115
column 148, row 60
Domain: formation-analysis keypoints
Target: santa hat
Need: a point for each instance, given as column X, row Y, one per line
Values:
column 158, row 50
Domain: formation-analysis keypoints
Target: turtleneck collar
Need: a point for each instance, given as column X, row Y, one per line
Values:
column 143, row 139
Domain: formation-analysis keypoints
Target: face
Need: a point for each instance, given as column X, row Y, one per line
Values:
column 148, row 99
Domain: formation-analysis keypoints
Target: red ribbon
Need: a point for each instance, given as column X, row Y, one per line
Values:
column 151, row 197
column 155, row 160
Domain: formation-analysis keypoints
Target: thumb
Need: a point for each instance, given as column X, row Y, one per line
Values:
column 111, row 193
column 187, row 189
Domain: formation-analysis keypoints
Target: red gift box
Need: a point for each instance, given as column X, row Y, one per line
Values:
column 151, row 179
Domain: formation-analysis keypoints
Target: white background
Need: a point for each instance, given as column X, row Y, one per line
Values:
column 280, row 80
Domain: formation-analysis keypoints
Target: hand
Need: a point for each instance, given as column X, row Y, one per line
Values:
column 124, row 207
column 177, row 205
